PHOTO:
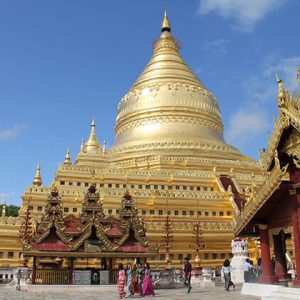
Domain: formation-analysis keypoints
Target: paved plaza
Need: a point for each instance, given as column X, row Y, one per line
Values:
column 110, row 293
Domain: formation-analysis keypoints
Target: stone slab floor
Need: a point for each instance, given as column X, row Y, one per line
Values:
column 110, row 293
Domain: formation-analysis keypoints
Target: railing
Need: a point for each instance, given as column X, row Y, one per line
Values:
column 52, row 277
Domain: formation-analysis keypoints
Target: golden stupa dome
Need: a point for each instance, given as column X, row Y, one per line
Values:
column 169, row 109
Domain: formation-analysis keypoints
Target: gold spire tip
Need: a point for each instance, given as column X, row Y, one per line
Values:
column 53, row 185
column 277, row 78
column 37, row 180
column 67, row 157
column 165, row 26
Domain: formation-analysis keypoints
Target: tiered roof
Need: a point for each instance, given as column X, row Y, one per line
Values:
column 280, row 157
column 92, row 231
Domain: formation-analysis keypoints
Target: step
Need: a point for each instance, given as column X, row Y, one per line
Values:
column 275, row 298
column 288, row 294
column 290, row 290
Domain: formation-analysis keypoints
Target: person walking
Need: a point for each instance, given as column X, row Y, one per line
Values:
column 121, row 281
column 187, row 270
column 252, row 273
column 129, row 273
column 226, row 271
column 247, row 268
column 135, row 272
column 147, row 283
column 140, row 278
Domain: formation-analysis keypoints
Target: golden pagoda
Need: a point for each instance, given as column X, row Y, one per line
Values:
column 170, row 153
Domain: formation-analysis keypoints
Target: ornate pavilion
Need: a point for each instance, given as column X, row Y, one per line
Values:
column 272, row 210
column 88, row 236
column 170, row 154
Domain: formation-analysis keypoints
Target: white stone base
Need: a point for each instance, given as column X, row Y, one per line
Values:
column 270, row 291
column 284, row 293
column 259, row 290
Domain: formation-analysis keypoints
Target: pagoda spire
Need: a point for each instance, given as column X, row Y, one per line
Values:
column 82, row 146
column 165, row 26
column 104, row 147
column 37, row 178
column 3, row 208
column 67, row 161
column 92, row 145
column 92, row 205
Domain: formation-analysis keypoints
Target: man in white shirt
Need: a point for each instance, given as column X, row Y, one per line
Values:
column 247, row 269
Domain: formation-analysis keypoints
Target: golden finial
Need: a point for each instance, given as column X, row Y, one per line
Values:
column 104, row 147
column 92, row 145
column 280, row 83
column 165, row 26
column 127, row 193
column 214, row 171
column 229, row 189
column 54, row 186
column 277, row 78
column 82, row 146
column 67, row 161
column 281, row 91
column 37, row 178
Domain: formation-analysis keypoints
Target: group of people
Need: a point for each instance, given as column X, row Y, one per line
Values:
column 137, row 279
column 250, row 272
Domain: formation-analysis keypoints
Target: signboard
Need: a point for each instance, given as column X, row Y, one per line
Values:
column 77, row 277
column 82, row 277
column 104, row 277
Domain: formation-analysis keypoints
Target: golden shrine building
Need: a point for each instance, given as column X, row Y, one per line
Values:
column 190, row 189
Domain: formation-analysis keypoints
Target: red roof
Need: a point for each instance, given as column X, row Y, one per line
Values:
column 133, row 247
column 72, row 225
column 57, row 245
column 226, row 181
column 114, row 230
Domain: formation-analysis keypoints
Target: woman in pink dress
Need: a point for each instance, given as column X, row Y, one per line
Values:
column 121, row 282
column 147, row 283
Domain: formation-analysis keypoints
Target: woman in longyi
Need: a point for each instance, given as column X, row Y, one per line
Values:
column 121, row 282
column 147, row 283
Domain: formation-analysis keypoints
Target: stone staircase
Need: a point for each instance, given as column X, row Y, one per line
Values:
column 283, row 293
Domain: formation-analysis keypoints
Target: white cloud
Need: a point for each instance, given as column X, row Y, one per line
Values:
column 246, row 125
column 12, row 132
column 216, row 46
column 287, row 71
column 263, row 88
column 245, row 13
column 253, row 120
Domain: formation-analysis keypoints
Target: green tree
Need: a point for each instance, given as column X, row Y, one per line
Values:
column 11, row 210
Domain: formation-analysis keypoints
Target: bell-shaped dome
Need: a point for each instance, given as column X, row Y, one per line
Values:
column 168, row 108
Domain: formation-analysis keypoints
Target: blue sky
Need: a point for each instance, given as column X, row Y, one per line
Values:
column 64, row 61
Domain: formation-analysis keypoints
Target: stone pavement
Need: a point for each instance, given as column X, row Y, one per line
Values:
column 110, row 293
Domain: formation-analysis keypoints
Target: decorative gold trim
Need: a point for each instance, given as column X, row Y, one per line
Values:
column 262, row 194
